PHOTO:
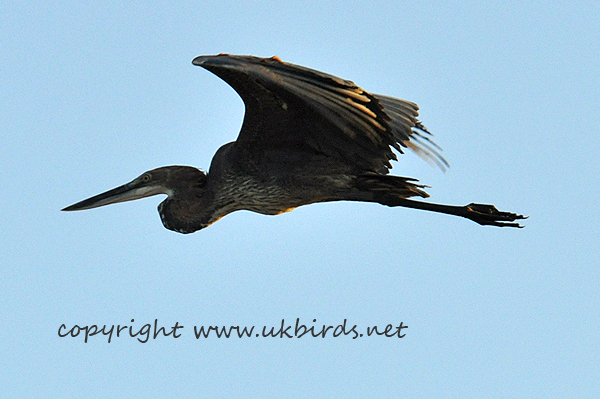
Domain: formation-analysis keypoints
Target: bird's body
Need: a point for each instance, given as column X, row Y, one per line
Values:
column 307, row 137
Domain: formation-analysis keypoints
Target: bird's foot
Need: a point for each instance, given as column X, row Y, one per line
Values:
column 490, row 215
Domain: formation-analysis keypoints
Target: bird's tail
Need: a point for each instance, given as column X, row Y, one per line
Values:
column 387, row 189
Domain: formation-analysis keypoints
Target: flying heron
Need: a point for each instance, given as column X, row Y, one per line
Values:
column 307, row 137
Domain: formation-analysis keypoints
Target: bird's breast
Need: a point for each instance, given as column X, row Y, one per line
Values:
column 267, row 197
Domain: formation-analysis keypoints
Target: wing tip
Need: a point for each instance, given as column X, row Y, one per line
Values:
column 204, row 59
column 223, row 58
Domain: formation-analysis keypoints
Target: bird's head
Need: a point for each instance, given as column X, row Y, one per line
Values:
column 183, row 185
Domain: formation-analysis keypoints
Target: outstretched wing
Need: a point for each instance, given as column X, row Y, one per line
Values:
column 290, row 106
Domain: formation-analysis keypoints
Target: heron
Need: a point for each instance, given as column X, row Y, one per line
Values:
column 307, row 137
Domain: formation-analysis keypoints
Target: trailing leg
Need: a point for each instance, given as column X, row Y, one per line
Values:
column 480, row 213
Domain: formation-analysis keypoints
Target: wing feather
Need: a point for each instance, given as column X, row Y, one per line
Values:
column 289, row 105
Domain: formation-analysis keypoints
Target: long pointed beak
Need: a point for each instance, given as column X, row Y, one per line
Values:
column 126, row 192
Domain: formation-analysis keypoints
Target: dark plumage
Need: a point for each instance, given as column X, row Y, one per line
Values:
column 307, row 137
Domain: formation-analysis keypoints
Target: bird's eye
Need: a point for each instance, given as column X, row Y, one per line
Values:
column 145, row 178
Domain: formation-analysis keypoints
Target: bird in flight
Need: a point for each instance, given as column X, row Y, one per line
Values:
column 307, row 137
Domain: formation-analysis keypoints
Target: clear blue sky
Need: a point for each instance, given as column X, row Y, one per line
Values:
column 94, row 93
